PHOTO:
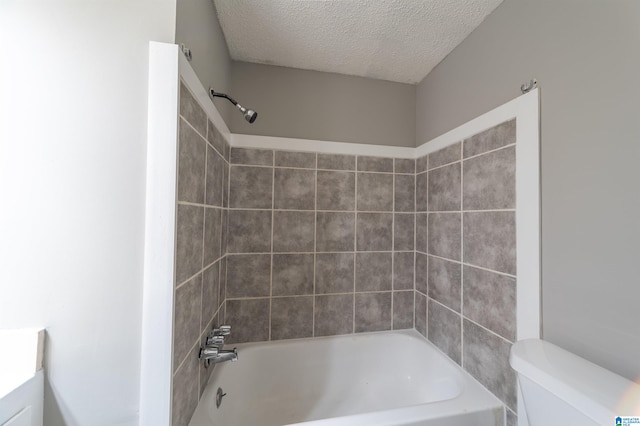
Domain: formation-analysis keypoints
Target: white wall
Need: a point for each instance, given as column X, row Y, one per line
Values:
column 584, row 53
column 73, row 102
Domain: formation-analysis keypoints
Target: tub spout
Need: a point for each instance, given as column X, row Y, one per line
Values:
column 212, row 354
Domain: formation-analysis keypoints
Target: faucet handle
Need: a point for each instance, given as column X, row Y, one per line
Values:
column 224, row 330
column 217, row 341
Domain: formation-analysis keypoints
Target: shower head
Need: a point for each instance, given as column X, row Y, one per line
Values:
column 249, row 114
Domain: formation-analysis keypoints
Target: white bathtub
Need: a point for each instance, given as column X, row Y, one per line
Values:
column 384, row 378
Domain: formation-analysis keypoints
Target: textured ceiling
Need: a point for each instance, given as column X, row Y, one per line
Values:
column 396, row 40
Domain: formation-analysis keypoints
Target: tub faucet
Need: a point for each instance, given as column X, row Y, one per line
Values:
column 213, row 354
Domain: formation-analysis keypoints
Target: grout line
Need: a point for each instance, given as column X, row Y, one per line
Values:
column 471, row 321
column 273, row 198
column 393, row 236
column 315, row 248
column 322, row 252
column 470, row 265
column 355, row 247
column 194, row 129
column 186, row 357
column 462, row 363
column 426, row 321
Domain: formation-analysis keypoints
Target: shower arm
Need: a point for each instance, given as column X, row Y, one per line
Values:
column 215, row 94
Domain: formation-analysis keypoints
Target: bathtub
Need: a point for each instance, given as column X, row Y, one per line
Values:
column 372, row 379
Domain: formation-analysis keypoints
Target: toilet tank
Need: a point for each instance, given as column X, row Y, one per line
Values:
column 560, row 388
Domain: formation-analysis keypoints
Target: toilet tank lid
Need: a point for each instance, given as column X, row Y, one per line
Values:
column 597, row 392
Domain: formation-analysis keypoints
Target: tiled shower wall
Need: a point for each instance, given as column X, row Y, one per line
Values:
column 466, row 255
column 318, row 244
column 285, row 244
column 200, row 262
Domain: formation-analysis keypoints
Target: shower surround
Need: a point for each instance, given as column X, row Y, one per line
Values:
column 283, row 245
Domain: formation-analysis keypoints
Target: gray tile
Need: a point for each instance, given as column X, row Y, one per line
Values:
column 250, row 187
column 215, row 138
column 444, row 188
column 225, row 185
column 305, row 160
column 191, row 165
column 212, row 234
column 373, row 271
column 293, row 231
column 375, row 192
column 248, row 275
column 403, row 231
column 184, row 398
column 422, row 272
column 490, row 181
column 445, row 330
column 334, row 272
column 490, row 300
column 251, row 156
column 402, row 310
column 403, row 269
column 490, row 240
column 336, row 190
column 444, row 235
column 512, row 419
column 204, row 372
column 374, row 231
column 486, row 357
column 291, row 317
column 375, row 164
column 227, row 152
column 421, row 232
column 420, row 318
column 249, row 231
column 445, row 156
column 422, row 192
column 191, row 110
column 294, row 189
column 249, row 319
column 445, row 284
column 189, row 229
column 422, row 164
column 493, row 138
column 215, row 177
column 404, row 165
column 223, row 281
column 210, row 292
column 335, row 231
column 224, row 230
column 186, row 321
column 404, row 194
column 373, row 312
column 333, row 315
column 336, row 162
column 292, row 274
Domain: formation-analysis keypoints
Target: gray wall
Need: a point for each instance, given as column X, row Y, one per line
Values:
column 323, row 106
column 584, row 55
column 198, row 28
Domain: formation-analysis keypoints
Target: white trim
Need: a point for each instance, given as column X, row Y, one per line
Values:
column 159, row 247
column 323, row 147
